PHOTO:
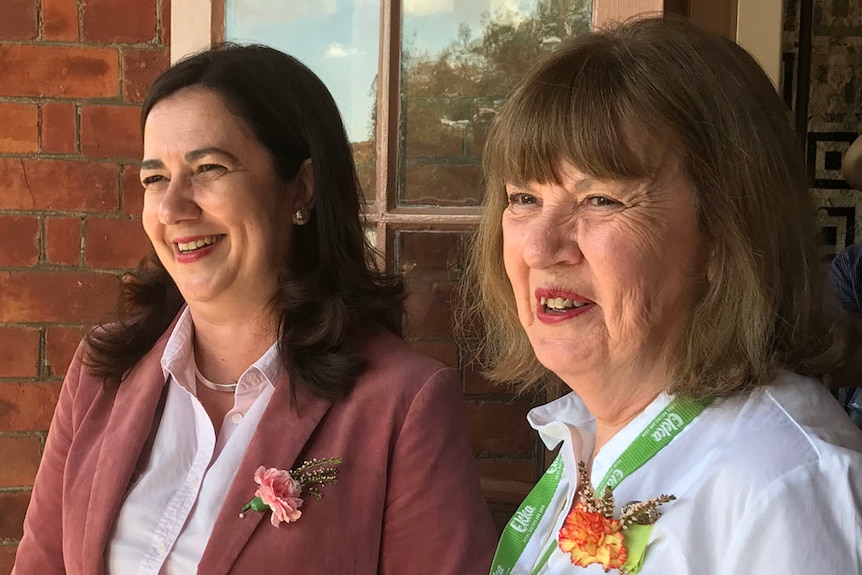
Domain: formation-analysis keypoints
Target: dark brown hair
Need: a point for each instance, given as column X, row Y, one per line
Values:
column 330, row 293
column 597, row 103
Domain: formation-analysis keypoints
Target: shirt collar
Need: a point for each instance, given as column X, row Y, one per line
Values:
column 178, row 357
column 567, row 419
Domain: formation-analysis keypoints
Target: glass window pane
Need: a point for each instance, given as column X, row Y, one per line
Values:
column 459, row 60
column 338, row 40
column 431, row 262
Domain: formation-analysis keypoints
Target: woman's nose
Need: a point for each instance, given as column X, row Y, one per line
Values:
column 178, row 204
column 552, row 240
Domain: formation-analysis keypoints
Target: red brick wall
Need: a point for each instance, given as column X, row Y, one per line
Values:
column 72, row 75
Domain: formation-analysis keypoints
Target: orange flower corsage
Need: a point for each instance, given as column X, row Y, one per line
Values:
column 590, row 534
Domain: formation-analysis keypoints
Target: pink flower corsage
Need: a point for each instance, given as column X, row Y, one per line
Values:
column 281, row 491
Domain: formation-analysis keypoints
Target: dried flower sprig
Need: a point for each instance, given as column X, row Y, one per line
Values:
column 644, row 512
column 315, row 473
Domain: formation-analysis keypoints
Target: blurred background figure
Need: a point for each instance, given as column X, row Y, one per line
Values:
column 846, row 275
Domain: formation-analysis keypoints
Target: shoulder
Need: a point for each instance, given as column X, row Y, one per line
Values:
column 848, row 256
column 86, row 386
column 389, row 355
column 397, row 377
column 788, row 429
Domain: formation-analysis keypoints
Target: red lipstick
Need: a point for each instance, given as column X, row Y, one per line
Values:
column 564, row 305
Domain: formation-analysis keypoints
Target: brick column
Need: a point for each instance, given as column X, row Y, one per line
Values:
column 72, row 76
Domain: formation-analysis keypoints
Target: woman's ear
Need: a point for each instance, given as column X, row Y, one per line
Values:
column 304, row 186
column 851, row 165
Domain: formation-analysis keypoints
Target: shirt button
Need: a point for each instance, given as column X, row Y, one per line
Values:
column 193, row 481
column 236, row 418
column 160, row 546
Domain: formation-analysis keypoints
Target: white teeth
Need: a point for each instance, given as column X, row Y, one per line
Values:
column 558, row 303
column 196, row 244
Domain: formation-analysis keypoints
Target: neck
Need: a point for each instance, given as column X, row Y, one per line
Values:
column 615, row 400
column 225, row 347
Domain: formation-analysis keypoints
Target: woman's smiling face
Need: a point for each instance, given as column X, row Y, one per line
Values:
column 604, row 272
column 215, row 210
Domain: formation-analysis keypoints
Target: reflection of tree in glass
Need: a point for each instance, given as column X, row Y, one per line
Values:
column 449, row 98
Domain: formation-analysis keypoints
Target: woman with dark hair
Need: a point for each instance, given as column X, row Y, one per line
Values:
column 649, row 245
column 257, row 361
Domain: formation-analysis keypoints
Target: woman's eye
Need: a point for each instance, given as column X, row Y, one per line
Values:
column 522, row 199
column 150, row 180
column 601, row 201
column 209, row 168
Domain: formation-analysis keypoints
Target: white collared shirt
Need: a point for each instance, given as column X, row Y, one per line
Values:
column 767, row 482
column 166, row 520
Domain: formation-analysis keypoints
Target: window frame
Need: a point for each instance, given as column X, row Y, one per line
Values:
column 198, row 24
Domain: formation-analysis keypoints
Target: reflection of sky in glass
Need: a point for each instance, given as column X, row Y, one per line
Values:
column 338, row 39
column 431, row 25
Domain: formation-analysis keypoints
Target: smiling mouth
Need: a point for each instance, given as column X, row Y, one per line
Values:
column 559, row 304
column 186, row 247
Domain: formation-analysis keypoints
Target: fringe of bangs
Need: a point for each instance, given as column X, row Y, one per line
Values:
column 588, row 122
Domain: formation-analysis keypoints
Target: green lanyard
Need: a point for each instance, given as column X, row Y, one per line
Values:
column 660, row 431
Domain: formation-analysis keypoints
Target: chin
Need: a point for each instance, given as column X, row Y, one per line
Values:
column 565, row 363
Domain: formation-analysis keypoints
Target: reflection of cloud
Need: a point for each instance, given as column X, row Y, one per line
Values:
column 277, row 12
column 427, row 7
column 336, row 51
column 508, row 10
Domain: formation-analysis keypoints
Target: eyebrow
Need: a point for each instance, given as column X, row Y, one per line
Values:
column 190, row 156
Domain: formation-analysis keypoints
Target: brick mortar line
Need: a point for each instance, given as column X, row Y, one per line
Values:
column 42, row 355
column 133, row 162
column 9, row 542
column 23, row 434
column 159, row 24
column 59, row 268
column 67, row 215
column 31, row 380
column 112, row 101
column 15, row 490
column 80, row 19
column 121, row 190
column 76, row 114
column 44, row 324
column 81, row 44
column 43, row 240
column 122, row 162
column 38, row 127
column 112, row 215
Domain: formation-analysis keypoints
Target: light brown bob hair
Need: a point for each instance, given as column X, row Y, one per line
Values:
column 595, row 103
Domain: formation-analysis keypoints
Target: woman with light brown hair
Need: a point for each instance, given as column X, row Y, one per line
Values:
column 649, row 242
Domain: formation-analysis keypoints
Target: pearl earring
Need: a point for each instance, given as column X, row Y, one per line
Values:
column 300, row 217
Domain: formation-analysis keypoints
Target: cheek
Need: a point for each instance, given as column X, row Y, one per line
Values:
column 150, row 219
column 519, row 275
column 513, row 258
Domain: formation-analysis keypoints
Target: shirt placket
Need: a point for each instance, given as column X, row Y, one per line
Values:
column 181, row 504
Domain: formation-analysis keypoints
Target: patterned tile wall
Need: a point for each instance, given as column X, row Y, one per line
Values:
column 822, row 83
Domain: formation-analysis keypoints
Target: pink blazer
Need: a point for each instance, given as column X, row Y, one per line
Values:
column 408, row 500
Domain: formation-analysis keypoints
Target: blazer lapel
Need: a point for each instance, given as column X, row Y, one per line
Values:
column 279, row 440
column 129, row 425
